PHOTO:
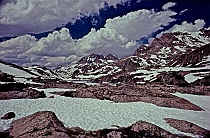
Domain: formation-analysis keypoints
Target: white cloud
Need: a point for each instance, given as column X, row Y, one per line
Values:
column 189, row 27
column 140, row 24
column 118, row 37
column 120, row 34
column 19, row 17
column 182, row 12
column 11, row 49
column 168, row 5
column 185, row 27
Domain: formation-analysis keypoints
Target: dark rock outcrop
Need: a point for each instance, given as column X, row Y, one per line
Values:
column 202, row 82
column 111, row 57
column 4, row 77
column 43, row 124
column 8, row 115
column 4, row 134
column 27, row 94
column 172, row 78
column 12, row 87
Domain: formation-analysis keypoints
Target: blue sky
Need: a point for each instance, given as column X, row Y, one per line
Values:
column 61, row 32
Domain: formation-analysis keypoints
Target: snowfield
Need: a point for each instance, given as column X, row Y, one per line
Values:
column 93, row 114
column 15, row 72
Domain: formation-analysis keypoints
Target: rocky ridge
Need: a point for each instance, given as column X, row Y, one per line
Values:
column 167, row 51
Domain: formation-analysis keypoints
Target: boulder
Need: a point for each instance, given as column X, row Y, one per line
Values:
column 148, row 130
column 114, row 134
column 42, row 124
column 8, row 115
column 188, row 127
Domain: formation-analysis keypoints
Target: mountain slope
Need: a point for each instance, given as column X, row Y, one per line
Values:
column 149, row 61
column 91, row 66
column 186, row 53
column 14, row 73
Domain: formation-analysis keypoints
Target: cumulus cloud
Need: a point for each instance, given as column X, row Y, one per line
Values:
column 189, row 27
column 168, row 5
column 10, row 50
column 185, row 27
column 118, row 36
column 18, row 17
column 141, row 23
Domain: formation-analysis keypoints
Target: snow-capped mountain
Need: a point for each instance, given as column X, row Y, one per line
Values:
column 41, row 71
column 186, row 53
column 14, row 73
column 91, row 66
column 183, row 55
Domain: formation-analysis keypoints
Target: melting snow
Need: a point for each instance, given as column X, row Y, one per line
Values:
column 14, row 71
column 93, row 114
column 190, row 78
column 179, row 48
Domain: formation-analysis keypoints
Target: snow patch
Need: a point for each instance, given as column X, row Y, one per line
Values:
column 190, row 78
column 179, row 48
column 93, row 114
column 15, row 72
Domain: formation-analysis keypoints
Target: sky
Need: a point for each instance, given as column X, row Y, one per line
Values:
column 55, row 33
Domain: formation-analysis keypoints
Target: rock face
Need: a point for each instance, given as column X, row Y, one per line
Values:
column 172, row 78
column 148, row 130
column 4, row 77
column 27, row 94
column 8, row 115
column 194, row 58
column 203, row 82
column 188, row 127
column 111, row 57
column 38, row 125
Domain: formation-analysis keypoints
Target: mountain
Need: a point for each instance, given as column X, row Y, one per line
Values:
column 14, row 73
column 186, row 53
column 183, row 56
column 88, row 67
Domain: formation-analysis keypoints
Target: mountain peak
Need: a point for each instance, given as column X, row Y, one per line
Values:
column 91, row 58
column 111, row 57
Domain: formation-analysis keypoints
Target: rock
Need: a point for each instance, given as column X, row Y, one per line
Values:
column 192, row 58
column 202, row 82
column 172, row 78
column 4, row 134
column 8, row 115
column 114, row 134
column 187, row 127
column 43, row 124
column 111, row 57
column 91, row 58
column 148, row 130
column 27, row 94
